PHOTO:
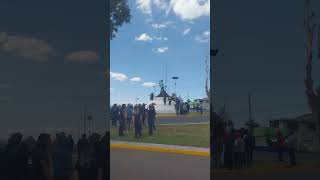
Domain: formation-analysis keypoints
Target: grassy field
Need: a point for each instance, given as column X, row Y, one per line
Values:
column 185, row 135
column 190, row 115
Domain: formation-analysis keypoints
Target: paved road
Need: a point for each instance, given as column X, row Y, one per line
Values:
column 182, row 120
column 140, row 165
column 306, row 175
column 309, row 173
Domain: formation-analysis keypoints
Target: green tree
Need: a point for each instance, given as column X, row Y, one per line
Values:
column 119, row 14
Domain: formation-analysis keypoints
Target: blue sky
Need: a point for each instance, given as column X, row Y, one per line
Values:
column 161, row 32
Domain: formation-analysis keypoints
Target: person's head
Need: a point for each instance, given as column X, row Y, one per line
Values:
column 84, row 136
column 44, row 142
column 246, row 131
column 15, row 139
column 95, row 137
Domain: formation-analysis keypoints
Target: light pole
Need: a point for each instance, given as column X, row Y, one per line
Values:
column 175, row 84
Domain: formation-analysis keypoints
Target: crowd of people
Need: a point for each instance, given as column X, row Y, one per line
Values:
column 182, row 107
column 133, row 115
column 55, row 159
column 235, row 149
column 282, row 144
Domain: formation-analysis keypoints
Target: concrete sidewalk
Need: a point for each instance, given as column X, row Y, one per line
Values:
column 162, row 148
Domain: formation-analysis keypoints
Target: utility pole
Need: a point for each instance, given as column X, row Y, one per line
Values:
column 175, row 84
column 311, row 28
column 250, row 112
column 166, row 85
column 214, row 135
column 85, row 119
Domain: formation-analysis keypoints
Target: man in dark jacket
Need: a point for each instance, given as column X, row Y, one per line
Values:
column 151, row 118
column 292, row 145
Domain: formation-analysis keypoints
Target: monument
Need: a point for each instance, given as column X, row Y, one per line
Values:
column 163, row 103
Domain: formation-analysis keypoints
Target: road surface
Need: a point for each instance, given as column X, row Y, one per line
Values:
column 142, row 165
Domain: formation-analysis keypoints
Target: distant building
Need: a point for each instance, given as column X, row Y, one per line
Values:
column 304, row 126
column 204, row 102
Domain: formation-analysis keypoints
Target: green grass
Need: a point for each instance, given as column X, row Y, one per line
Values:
column 185, row 135
column 190, row 115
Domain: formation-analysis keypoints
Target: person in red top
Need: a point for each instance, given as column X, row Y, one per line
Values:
column 280, row 145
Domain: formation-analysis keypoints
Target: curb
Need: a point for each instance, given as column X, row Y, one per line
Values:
column 161, row 149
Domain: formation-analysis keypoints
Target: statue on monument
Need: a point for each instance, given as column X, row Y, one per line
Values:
column 161, row 85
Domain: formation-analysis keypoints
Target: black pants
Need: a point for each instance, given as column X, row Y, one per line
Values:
column 238, row 159
column 280, row 153
column 228, row 160
column 143, row 121
column 137, row 129
column 292, row 156
column 150, row 125
column 128, row 124
column 121, row 127
column 114, row 122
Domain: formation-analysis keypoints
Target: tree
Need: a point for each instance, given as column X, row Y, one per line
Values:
column 312, row 93
column 207, row 78
column 119, row 14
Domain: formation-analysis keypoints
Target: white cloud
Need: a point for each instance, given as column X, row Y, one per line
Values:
column 158, row 26
column 162, row 49
column 118, row 76
column 160, row 38
column 161, row 4
column 204, row 37
column 143, row 37
column 25, row 47
column 82, row 57
column 186, row 31
column 190, row 9
column 135, row 79
column 161, row 25
column 144, row 6
column 149, row 84
column 157, row 38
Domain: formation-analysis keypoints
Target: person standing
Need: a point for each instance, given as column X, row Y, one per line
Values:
column 151, row 119
column 12, row 155
column 62, row 159
column 228, row 150
column 137, row 121
column 42, row 158
column 238, row 150
column 197, row 106
column 177, row 106
column 143, row 114
column 129, row 116
column 82, row 165
column 115, row 114
column 280, row 145
column 122, row 120
column 292, row 145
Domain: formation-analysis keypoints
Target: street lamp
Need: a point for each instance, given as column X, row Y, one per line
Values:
column 175, row 83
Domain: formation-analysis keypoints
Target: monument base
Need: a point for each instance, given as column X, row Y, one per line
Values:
column 161, row 108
